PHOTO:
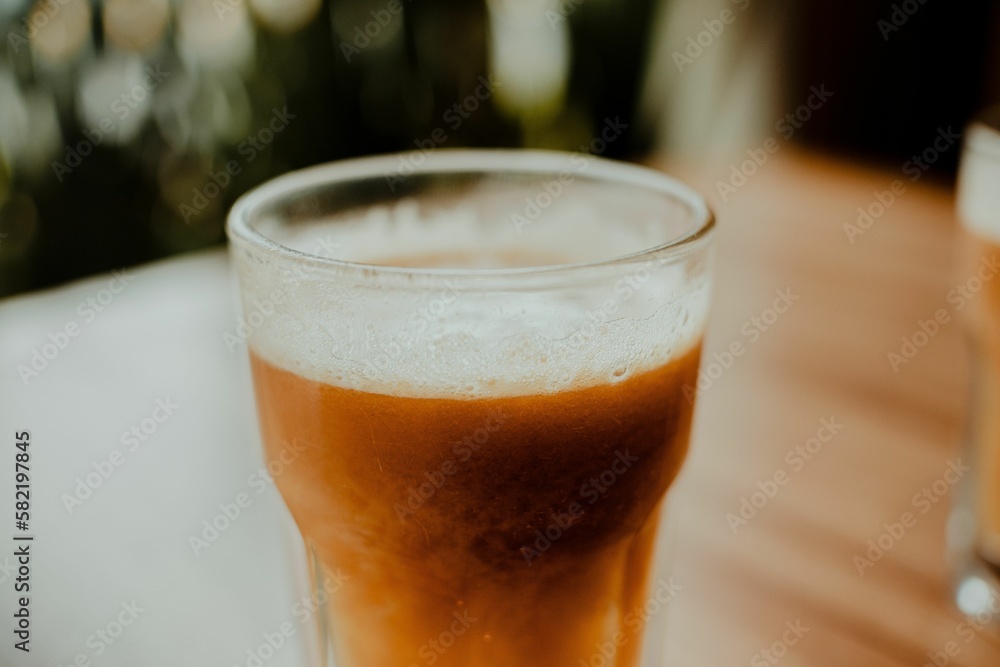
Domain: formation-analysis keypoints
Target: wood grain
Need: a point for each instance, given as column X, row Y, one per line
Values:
column 825, row 358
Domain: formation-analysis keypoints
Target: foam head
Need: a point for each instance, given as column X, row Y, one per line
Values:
column 476, row 284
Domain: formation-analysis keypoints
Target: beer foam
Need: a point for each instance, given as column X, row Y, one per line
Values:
column 450, row 335
column 979, row 182
column 492, row 226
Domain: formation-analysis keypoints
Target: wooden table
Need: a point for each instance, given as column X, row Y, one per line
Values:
column 825, row 358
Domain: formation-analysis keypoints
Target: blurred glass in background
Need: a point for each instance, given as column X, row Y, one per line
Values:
column 128, row 127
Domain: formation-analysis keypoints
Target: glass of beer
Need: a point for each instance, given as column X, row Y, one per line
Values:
column 476, row 372
column 974, row 526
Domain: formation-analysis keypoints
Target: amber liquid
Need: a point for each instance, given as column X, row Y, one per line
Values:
column 434, row 510
column 983, row 317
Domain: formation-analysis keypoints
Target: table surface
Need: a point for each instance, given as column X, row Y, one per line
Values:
column 822, row 361
column 826, row 358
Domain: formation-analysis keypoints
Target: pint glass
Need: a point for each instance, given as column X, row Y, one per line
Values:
column 974, row 526
column 477, row 371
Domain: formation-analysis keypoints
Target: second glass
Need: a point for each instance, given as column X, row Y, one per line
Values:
column 974, row 525
column 477, row 371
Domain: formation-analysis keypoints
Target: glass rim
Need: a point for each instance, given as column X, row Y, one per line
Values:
column 241, row 231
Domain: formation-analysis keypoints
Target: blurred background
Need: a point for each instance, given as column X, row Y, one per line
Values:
column 128, row 127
